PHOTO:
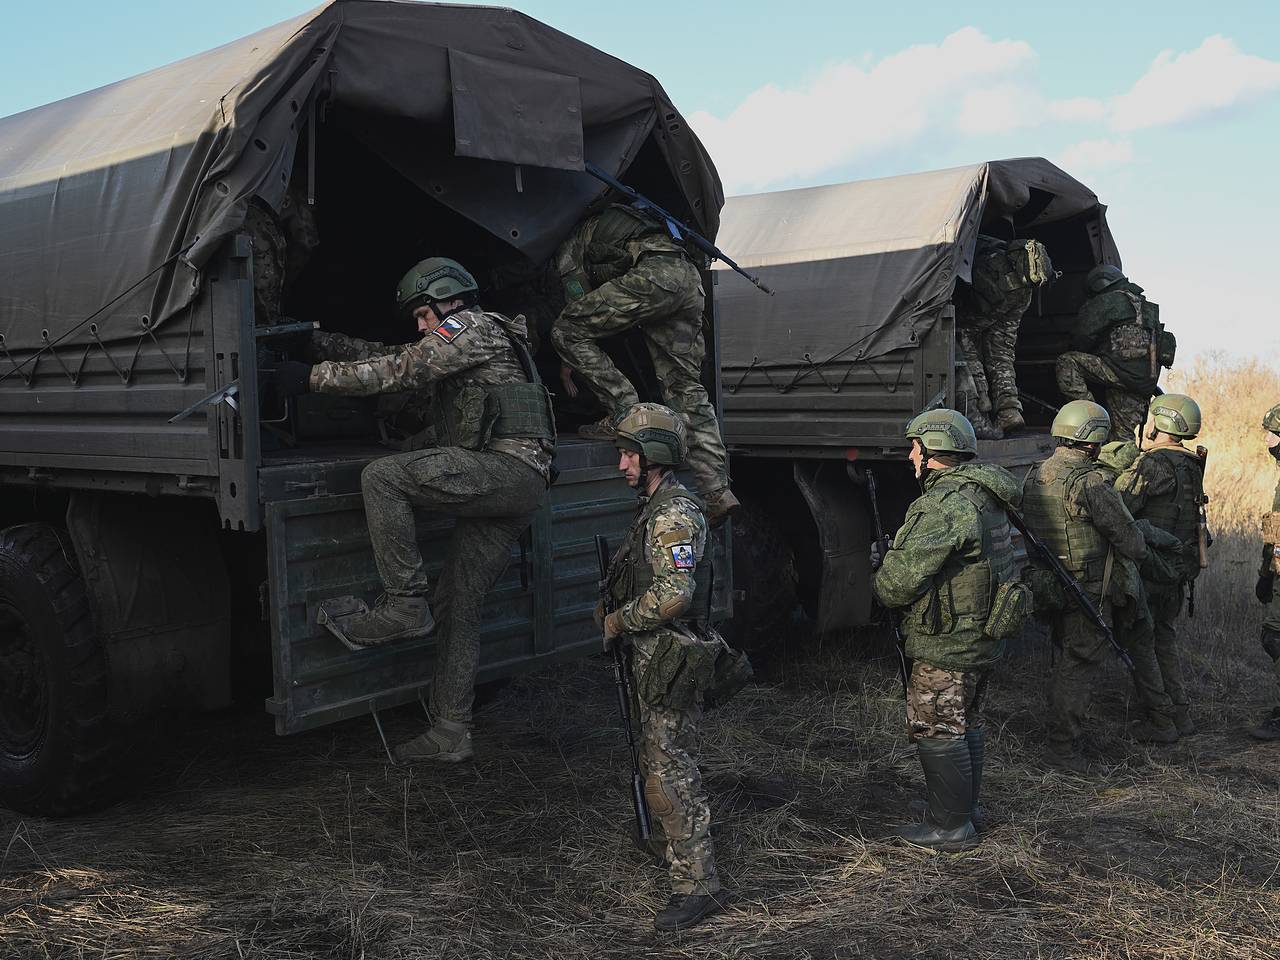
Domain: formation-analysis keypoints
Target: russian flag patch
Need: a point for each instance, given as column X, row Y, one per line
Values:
column 450, row 329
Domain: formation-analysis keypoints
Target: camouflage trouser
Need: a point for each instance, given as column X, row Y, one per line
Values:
column 1074, row 674
column 943, row 704
column 492, row 496
column 988, row 345
column 1076, row 371
column 663, row 295
column 269, row 251
column 1166, row 604
column 673, row 785
column 1135, row 631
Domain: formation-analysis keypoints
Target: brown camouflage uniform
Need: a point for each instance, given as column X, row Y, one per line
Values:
column 491, row 488
column 943, row 703
column 675, row 540
column 282, row 244
column 647, row 281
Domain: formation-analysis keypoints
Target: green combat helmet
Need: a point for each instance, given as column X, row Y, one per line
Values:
column 1175, row 414
column 1082, row 421
column 433, row 280
column 1103, row 276
column 1272, row 420
column 943, row 431
column 655, row 431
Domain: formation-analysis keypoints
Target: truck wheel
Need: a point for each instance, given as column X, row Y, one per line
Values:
column 56, row 748
column 765, row 579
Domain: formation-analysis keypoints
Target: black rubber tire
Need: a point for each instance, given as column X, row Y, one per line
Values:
column 58, row 751
column 765, row 579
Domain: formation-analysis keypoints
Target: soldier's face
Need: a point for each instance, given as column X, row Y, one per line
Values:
column 629, row 466
column 1273, row 440
column 916, row 456
column 426, row 319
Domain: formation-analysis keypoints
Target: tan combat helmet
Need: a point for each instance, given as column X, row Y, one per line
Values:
column 655, row 431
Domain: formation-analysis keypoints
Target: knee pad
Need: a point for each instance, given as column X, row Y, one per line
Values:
column 662, row 801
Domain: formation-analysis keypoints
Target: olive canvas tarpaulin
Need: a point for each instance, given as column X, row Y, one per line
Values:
column 134, row 186
column 863, row 268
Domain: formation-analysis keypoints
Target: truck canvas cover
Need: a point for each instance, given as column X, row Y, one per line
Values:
column 127, row 191
column 863, row 268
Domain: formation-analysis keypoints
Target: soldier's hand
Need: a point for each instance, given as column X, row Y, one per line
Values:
column 1265, row 590
column 566, row 380
column 612, row 628
column 878, row 551
column 291, row 377
column 599, row 614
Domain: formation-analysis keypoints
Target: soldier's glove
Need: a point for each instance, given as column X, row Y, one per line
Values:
column 612, row 629
column 291, row 377
column 1265, row 589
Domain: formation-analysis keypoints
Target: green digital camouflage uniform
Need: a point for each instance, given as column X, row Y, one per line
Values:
column 1112, row 353
column 620, row 269
column 1164, row 486
column 1069, row 502
column 947, row 559
column 655, row 580
column 490, row 484
column 987, row 325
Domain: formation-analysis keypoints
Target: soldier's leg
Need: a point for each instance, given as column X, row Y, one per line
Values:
column 999, row 350
column 673, row 788
column 971, row 385
column 1077, row 371
column 1127, row 410
column 1166, row 605
column 1071, row 690
column 1269, row 728
column 969, row 340
column 1136, row 633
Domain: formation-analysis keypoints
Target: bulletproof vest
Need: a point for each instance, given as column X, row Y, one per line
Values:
column 964, row 587
column 618, row 238
column 1051, row 510
column 630, row 574
column 471, row 415
column 1178, row 512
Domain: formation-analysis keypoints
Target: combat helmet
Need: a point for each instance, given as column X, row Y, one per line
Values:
column 1175, row 414
column 943, row 431
column 1082, row 421
column 433, row 280
column 655, row 431
column 1271, row 421
column 1103, row 276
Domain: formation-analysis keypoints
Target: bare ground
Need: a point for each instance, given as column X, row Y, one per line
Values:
column 241, row 844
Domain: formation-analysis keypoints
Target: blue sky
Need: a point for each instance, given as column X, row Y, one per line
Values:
column 1169, row 111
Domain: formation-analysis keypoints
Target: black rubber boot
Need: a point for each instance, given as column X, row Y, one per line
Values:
column 948, row 777
column 684, row 910
column 977, row 740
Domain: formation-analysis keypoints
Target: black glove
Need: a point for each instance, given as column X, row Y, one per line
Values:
column 291, row 377
column 1266, row 589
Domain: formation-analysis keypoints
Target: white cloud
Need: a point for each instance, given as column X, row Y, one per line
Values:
column 1094, row 155
column 1176, row 88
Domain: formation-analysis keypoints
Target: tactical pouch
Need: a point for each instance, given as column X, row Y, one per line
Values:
column 732, row 672
column 679, row 668
column 1010, row 609
column 1047, row 593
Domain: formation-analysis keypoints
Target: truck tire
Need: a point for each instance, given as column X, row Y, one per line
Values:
column 57, row 751
column 766, row 580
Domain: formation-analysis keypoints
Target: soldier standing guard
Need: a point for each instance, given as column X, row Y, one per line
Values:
column 622, row 268
column 1269, row 728
column 659, row 582
column 494, row 421
column 951, row 567
column 1165, row 485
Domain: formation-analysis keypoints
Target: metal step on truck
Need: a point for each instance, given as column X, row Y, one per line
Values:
column 151, row 561
column 820, row 380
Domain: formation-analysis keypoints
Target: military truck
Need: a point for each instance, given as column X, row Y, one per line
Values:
column 820, row 380
column 148, row 561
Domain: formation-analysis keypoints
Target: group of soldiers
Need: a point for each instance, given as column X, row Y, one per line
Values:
column 489, row 467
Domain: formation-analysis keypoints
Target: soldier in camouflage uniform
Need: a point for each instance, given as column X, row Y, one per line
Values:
column 1165, row 486
column 950, row 567
column 1069, row 502
column 620, row 269
column 490, row 473
column 1005, row 275
column 282, row 244
column 1269, row 728
column 1114, row 350
column 659, row 585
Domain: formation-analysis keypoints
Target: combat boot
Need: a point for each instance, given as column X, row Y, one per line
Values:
column 392, row 618
column 683, row 910
column 977, row 740
column 1182, row 720
column 983, row 428
column 445, row 742
column 1269, row 728
column 948, row 777
column 1155, row 729
column 602, row 429
column 1010, row 419
column 1064, row 756
column 721, row 505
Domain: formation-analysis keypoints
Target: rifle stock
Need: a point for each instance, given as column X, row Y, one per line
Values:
column 623, row 685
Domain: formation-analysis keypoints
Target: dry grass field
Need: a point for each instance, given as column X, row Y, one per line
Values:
column 239, row 844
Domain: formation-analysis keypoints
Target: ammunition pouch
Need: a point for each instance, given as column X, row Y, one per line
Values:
column 1010, row 609
column 519, row 411
column 681, row 667
column 732, row 672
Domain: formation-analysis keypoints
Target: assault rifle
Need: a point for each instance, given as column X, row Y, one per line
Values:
column 1070, row 584
column 883, row 540
column 622, row 683
column 678, row 228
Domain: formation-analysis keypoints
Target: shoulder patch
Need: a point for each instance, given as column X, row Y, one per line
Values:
column 682, row 555
column 672, row 537
column 450, row 329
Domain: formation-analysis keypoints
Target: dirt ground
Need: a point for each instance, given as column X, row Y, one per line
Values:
column 242, row 844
